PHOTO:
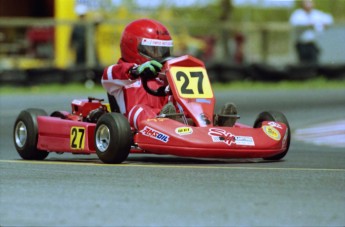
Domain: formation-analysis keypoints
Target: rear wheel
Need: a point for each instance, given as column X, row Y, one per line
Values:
column 113, row 137
column 277, row 117
column 25, row 135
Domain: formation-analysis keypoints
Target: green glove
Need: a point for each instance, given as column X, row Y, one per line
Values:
column 147, row 70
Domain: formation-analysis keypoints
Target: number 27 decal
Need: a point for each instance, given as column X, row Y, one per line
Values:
column 77, row 138
column 192, row 82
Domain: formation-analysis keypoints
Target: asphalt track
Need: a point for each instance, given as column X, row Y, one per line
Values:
column 305, row 189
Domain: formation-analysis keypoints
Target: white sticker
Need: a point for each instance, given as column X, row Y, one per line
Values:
column 157, row 42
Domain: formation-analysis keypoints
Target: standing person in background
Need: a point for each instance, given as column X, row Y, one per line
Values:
column 307, row 22
column 78, row 37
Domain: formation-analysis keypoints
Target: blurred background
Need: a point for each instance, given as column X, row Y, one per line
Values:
column 237, row 39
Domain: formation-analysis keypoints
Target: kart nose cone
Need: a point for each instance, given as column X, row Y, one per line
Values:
column 102, row 138
column 20, row 134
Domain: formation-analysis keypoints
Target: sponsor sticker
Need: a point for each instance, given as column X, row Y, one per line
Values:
column 244, row 140
column 77, row 102
column 208, row 101
column 184, row 131
column 275, row 124
column 156, row 42
column 271, row 132
column 152, row 133
column 220, row 135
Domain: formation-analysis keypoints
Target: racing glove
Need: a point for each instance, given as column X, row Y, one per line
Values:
column 148, row 70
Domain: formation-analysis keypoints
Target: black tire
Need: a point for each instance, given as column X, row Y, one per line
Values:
column 113, row 138
column 25, row 135
column 277, row 117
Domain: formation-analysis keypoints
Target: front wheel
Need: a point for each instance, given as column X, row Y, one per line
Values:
column 277, row 117
column 25, row 135
column 113, row 138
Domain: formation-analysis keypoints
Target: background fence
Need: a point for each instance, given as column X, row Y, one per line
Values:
column 38, row 50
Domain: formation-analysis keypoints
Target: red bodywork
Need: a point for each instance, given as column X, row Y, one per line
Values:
column 194, row 98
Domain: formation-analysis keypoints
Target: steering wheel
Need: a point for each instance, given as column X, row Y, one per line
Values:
column 161, row 91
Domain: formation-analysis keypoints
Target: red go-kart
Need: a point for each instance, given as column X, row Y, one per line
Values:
column 92, row 127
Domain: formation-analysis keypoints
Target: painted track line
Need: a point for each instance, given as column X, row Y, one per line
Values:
column 166, row 166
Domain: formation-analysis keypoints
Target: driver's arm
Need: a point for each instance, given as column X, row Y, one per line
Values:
column 115, row 77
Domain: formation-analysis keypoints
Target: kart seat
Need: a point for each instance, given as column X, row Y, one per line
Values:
column 114, row 107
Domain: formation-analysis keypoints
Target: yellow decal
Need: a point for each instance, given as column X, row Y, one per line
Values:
column 184, row 130
column 271, row 132
column 192, row 82
column 107, row 105
column 77, row 138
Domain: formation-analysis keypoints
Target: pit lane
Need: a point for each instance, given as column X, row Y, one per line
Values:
column 306, row 188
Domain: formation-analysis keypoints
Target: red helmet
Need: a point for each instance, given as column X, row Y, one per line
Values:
column 145, row 39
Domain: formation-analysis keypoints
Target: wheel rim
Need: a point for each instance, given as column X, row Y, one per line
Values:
column 21, row 134
column 102, row 138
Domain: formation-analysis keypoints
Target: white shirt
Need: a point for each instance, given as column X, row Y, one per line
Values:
column 315, row 20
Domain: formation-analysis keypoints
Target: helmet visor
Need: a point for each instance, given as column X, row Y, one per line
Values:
column 155, row 48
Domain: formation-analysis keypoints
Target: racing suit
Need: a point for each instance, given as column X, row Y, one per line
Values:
column 133, row 101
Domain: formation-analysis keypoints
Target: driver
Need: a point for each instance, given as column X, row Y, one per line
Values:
column 144, row 45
